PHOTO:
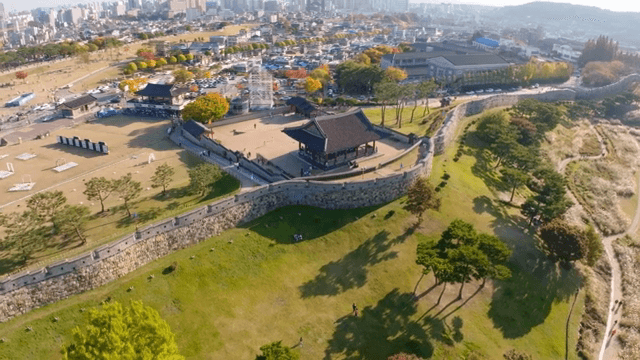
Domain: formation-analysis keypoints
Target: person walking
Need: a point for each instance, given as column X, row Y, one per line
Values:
column 300, row 343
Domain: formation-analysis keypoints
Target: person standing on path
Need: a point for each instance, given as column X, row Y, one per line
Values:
column 300, row 343
column 354, row 308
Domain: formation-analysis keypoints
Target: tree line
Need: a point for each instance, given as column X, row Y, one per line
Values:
column 47, row 52
column 48, row 214
column 513, row 139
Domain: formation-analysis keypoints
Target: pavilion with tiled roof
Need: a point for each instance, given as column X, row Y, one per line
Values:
column 333, row 140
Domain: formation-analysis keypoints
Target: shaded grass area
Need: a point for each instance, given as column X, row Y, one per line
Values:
column 115, row 223
column 233, row 297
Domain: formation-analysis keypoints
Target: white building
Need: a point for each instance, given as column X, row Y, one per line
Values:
column 566, row 52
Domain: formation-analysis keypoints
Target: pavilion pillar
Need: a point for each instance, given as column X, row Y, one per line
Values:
column 374, row 147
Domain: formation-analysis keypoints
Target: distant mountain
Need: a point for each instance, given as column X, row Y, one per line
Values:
column 588, row 21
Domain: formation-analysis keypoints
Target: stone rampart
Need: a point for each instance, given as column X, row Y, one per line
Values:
column 447, row 131
column 25, row 291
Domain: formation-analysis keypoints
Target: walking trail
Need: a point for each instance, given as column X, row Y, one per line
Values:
column 610, row 346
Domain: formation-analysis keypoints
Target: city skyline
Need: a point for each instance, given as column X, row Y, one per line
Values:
column 613, row 5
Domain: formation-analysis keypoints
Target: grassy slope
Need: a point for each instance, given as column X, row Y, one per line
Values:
column 227, row 302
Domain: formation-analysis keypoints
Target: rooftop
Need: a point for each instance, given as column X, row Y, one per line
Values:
column 333, row 133
column 162, row 90
column 79, row 101
column 475, row 59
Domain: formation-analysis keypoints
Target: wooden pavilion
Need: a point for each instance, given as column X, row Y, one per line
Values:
column 333, row 140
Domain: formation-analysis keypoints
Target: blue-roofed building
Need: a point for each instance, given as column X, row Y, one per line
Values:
column 486, row 43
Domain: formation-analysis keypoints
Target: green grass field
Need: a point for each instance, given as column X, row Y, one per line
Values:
column 231, row 298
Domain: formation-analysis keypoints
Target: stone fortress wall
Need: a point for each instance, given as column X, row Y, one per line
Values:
column 28, row 290
column 446, row 133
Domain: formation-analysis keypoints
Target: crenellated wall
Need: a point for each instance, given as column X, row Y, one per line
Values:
column 26, row 291
column 32, row 289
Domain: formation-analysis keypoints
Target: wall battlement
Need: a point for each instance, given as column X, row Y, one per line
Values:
column 28, row 290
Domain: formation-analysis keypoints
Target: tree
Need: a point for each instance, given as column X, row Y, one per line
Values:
column 514, row 178
column 161, row 62
column 206, row 108
column 147, row 55
column 128, row 189
column 467, row 262
column 45, row 204
column 142, row 65
column 189, row 57
column 173, row 60
column 116, row 332
column 421, row 196
column 21, row 75
column 550, row 201
column 497, row 253
column 99, row 189
column 151, row 64
column 72, row 220
column 427, row 257
column 594, row 245
column 362, row 59
column 277, row 351
column 182, row 76
column 162, row 177
column 84, row 57
column 181, row 58
column 24, row 231
column 312, row 85
column 188, row 27
column 395, row 74
column 202, row 177
column 563, row 241
column 132, row 67
column 321, row 73
column 424, row 90
column 385, row 91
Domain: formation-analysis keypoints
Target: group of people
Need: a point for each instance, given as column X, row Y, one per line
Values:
column 616, row 306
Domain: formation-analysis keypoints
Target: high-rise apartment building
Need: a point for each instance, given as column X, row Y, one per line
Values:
column 3, row 19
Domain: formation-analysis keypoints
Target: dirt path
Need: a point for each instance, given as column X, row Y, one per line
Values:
column 610, row 345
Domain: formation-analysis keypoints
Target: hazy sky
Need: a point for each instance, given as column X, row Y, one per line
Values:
column 615, row 5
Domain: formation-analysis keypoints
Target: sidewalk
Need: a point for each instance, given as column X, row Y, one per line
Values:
column 246, row 178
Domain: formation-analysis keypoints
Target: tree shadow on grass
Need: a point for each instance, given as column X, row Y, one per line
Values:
column 524, row 301
column 281, row 224
column 351, row 271
column 381, row 331
column 484, row 167
column 141, row 217
column 512, row 229
column 10, row 263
